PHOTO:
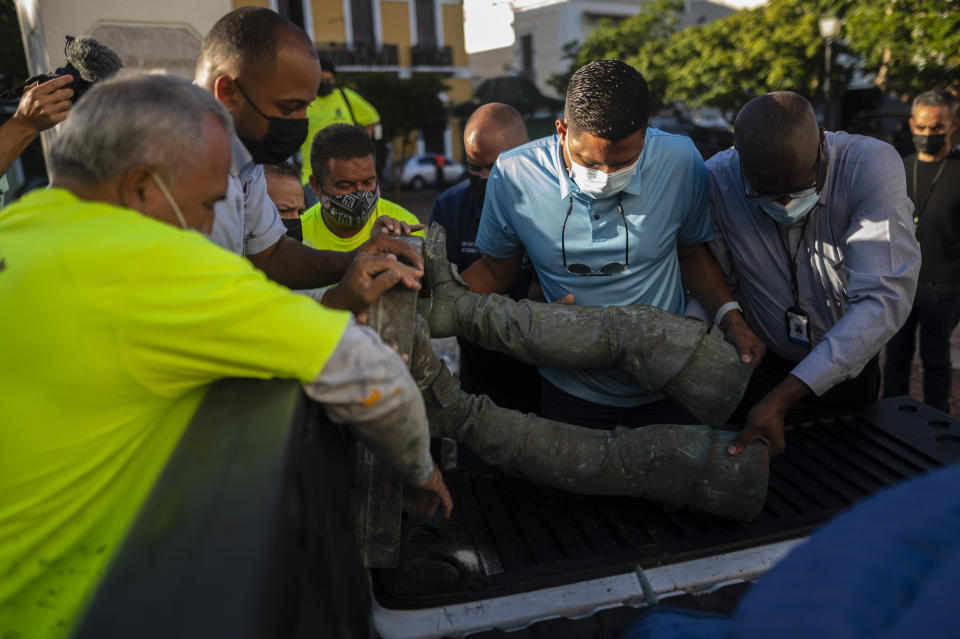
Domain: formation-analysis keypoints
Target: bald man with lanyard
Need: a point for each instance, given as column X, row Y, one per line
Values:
column 814, row 232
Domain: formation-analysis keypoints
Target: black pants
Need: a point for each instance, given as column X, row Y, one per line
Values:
column 558, row 405
column 936, row 309
column 838, row 400
column 510, row 383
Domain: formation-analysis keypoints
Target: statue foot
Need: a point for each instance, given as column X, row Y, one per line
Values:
column 734, row 487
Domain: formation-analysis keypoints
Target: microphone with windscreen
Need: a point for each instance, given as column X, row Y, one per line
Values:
column 88, row 61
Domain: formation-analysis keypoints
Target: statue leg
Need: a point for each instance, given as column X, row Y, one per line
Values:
column 664, row 353
column 675, row 465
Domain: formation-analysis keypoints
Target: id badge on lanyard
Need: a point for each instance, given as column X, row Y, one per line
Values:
column 798, row 326
column 796, row 319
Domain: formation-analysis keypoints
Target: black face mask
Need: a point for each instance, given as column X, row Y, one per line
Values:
column 479, row 184
column 294, row 228
column 284, row 137
column 325, row 89
column 929, row 144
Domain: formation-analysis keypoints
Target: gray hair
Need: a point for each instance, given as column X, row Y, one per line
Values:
column 149, row 119
column 936, row 98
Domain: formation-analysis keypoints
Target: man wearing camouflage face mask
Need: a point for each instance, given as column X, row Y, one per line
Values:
column 344, row 179
column 264, row 70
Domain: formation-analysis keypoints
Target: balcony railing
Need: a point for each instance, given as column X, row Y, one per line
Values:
column 431, row 56
column 360, row 55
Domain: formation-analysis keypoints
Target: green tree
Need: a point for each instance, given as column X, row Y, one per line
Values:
column 406, row 105
column 911, row 45
column 908, row 45
column 773, row 47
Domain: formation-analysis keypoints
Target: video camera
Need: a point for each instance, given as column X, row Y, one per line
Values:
column 88, row 62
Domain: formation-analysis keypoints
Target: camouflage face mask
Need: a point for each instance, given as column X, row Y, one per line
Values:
column 351, row 209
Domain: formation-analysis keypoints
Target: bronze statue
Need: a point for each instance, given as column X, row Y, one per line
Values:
column 676, row 465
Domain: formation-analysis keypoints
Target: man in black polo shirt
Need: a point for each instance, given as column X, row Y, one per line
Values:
column 492, row 129
column 933, row 184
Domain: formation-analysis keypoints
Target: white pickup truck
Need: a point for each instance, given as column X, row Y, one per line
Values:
column 250, row 533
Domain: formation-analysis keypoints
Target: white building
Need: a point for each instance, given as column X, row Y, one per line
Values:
column 541, row 29
column 145, row 35
column 395, row 36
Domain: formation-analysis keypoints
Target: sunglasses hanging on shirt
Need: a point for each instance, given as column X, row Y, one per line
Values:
column 613, row 268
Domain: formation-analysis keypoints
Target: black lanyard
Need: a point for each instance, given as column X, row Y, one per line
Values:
column 916, row 188
column 346, row 101
column 794, row 280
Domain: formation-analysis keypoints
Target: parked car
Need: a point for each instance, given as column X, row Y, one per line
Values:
column 421, row 171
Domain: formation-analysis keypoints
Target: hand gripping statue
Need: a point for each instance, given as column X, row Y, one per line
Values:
column 676, row 465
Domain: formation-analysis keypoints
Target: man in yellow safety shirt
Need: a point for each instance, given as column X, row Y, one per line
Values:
column 334, row 105
column 120, row 314
column 345, row 181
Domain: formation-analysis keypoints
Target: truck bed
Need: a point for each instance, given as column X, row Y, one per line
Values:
column 509, row 537
column 248, row 533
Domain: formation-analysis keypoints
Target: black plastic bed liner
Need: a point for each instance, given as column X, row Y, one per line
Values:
column 508, row 536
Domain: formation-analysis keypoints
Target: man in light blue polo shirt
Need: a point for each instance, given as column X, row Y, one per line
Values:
column 612, row 213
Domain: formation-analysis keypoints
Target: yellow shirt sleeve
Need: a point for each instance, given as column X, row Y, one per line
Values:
column 363, row 111
column 219, row 318
column 397, row 212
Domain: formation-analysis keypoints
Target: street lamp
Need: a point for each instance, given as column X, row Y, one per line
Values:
column 829, row 30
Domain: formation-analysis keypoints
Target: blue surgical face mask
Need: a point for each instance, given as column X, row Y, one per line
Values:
column 793, row 211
